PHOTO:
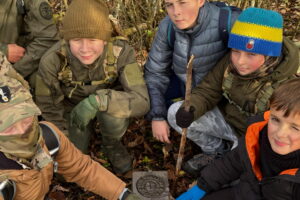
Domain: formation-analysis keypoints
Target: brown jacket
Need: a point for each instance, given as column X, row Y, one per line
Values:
column 73, row 166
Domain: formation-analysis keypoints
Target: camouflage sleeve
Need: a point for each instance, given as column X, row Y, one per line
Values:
column 14, row 74
column 48, row 93
column 3, row 48
column 7, row 68
column 133, row 101
column 42, row 34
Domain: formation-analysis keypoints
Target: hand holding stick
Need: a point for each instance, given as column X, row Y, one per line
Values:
column 188, row 88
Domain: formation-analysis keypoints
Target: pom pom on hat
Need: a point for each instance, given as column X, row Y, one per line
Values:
column 258, row 31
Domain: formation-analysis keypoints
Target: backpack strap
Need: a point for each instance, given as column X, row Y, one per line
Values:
column 171, row 35
column 228, row 15
column 51, row 140
column 224, row 24
column 8, row 189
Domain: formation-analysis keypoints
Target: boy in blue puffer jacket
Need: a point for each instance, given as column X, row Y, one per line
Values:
column 195, row 27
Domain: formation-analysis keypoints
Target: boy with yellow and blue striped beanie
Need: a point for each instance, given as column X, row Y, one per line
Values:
column 238, row 87
column 258, row 31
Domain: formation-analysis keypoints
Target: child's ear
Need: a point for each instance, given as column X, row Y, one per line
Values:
column 105, row 42
column 201, row 3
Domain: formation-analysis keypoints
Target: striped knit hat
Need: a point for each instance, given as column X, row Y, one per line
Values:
column 257, row 31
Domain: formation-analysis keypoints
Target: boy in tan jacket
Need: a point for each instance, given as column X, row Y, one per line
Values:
column 26, row 161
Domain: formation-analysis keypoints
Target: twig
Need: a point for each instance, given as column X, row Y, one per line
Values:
column 187, row 100
column 66, row 4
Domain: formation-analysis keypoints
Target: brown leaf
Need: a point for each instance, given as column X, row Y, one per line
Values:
column 147, row 148
column 166, row 150
column 137, row 141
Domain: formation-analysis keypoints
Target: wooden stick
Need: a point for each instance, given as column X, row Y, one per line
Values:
column 187, row 102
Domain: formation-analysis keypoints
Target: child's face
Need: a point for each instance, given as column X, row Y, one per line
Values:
column 183, row 13
column 86, row 50
column 19, row 127
column 246, row 62
column 284, row 132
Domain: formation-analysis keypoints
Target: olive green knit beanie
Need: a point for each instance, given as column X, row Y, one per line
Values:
column 87, row 19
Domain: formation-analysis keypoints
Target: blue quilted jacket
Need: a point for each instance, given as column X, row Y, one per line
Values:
column 203, row 41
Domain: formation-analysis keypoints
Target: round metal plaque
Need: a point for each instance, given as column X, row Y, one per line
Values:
column 150, row 186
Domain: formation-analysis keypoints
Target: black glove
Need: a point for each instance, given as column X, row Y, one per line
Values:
column 183, row 118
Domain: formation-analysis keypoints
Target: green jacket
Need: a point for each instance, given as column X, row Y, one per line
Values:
column 125, row 97
column 209, row 92
column 27, row 23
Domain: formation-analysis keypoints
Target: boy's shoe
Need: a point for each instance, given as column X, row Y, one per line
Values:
column 118, row 155
column 199, row 161
column 195, row 164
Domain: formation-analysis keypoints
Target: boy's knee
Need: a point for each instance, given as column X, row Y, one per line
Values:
column 174, row 108
column 112, row 126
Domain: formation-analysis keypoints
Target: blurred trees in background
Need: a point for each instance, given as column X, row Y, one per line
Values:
column 138, row 19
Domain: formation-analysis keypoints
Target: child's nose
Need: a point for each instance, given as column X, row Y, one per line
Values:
column 84, row 46
column 282, row 132
column 177, row 10
column 241, row 60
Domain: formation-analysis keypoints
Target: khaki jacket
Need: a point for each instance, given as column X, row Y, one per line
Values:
column 243, row 92
column 30, row 26
column 73, row 166
column 126, row 97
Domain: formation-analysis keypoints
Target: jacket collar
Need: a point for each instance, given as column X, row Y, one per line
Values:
column 253, row 147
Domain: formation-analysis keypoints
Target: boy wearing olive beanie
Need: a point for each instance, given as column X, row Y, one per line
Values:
column 90, row 77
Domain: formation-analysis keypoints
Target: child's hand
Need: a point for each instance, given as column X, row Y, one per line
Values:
column 184, row 118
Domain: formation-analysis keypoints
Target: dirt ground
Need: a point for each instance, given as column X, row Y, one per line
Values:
column 149, row 155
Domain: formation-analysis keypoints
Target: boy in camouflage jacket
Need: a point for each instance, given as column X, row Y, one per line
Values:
column 90, row 76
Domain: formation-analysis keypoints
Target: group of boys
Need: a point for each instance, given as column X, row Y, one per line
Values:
column 89, row 77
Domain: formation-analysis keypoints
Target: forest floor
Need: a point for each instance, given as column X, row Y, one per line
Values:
column 149, row 155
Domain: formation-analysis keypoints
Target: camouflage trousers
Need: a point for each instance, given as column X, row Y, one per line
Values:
column 208, row 131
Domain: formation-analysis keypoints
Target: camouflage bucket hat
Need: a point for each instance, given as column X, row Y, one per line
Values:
column 15, row 102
